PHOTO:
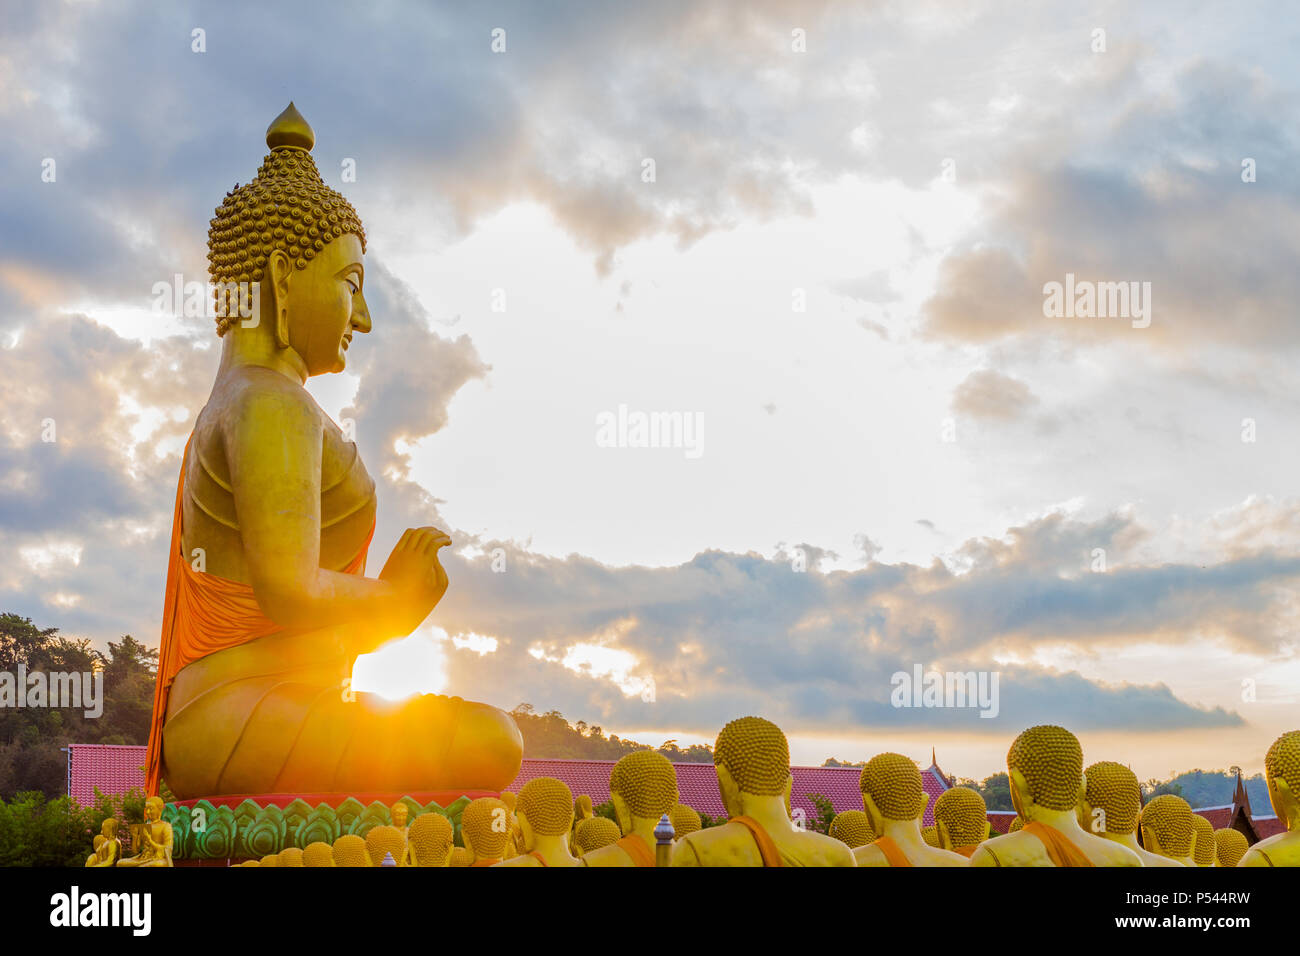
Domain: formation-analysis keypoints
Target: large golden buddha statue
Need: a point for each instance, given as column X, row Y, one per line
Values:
column 752, row 758
column 642, row 787
column 267, row 603
column 1045, row 771
column 894, row 800
column 1282, row 774
column 1112, row 799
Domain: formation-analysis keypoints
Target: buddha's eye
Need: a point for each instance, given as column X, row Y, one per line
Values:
column 353, row 285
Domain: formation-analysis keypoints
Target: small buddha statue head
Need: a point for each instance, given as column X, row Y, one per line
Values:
column 350, row 850
column 595, row 833
column 485, row 827
column 291, row 856
column 432, row 838
column 751, row 756
column 852, row 828
column 1282, row 773
column 1016, row 824
column 271, row 859
column 684, row 820
column 153, row 808
column 1112, row 799
column 545, row 808
column 582, row 809
column 399, row 814
column 642, row 785
column 891, row 789
column 960, row 818
column 297, row 245
column 318, row 854
column 1045, row 767
column 1230, row 846
column 931, row 836
column 1167, row 826
column 1204, row 849
column 385, row 839
column 109, row 828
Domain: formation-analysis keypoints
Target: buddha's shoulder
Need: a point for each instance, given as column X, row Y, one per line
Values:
column 1010, row 849
column 1105, row 852
column 256, row 394
column 730, row 844
column 1281, row 849
column 608, row 856
column 869, row 855
column 525, row 860
column 825, row 850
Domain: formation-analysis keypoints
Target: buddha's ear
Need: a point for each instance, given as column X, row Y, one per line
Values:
column 945, row 841
column 1020, row 796
column 1284, row 801
column 1151, row 842
column 622, row 813
column 729, row 791
column 873, row 814
column 278, row 270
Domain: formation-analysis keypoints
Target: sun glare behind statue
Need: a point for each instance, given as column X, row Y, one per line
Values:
column 408, row 666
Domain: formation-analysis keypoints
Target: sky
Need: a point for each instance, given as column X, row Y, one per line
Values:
column 819, row 235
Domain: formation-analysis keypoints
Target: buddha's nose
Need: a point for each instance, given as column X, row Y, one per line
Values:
column 360, row 313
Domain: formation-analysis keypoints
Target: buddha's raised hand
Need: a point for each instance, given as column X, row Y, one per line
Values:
column 415, row 574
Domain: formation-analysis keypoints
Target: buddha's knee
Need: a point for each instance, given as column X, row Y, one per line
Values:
column 487, row 746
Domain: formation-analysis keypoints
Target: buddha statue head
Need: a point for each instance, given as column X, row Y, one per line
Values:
column 582, row 809
column 318, row 854
column 891, row 789
column 291, row 856
column 960, row 818
column 1230, row 846
column 1045, row 767
column 385, row 839
column 931, row 836
column 109, row 828
column 1112, row 799
column 545, row 808
column 1282, row 774
column 432, row 839
column 1167, row 826
column 684, row 820
column 485, row 828
column 153, row 809
column 271, row 859
column 296, row 245
column 852, row 828
column 350, row 850
column 642, row 785
column 399, row 814
column 1016, row 824
column 751, row 756
column 1204, row 849
column 596, row 833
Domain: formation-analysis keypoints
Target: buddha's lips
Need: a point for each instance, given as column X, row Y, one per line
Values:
column 347, row 340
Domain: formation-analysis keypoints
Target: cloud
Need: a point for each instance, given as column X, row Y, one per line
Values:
column 987, row 393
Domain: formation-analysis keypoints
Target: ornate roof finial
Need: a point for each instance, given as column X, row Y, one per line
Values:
column 290, row 129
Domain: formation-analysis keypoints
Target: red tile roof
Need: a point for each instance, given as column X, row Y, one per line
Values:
column 113, row 768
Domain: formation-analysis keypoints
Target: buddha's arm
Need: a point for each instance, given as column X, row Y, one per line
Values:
column 273, row 447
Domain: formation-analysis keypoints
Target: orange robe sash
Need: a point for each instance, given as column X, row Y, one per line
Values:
column 202, row 614
column 766, row 847
column 893, row 854
column 1059, row 847
column 540, row 859
column 635, row 847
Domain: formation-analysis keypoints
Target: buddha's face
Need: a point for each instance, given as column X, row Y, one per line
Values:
column 399, row 815
column 327, row 305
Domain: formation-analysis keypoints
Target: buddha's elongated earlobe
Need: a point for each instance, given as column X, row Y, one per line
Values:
column 279, row 268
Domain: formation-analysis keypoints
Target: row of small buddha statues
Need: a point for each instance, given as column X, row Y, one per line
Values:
column 1066, row 816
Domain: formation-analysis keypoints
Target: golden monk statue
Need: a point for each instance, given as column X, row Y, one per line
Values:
column 545, row 812
column 485, row 826
column 752, row 758
column 1112, row 799
column 642, row 787
column 1045, row 770
column 1230, row 846
column 684, row 820
column 267, row 603
column 155, row 847
column 852, row 828
column 961, row 820
column 1204, row 849
column 894, row 800
column 108, row 848
column 1168, row 829
column 1282, row 773
column 595, row 833
column 431, row 841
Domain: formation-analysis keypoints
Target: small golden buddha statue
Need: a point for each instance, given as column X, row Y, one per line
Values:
column 318, row 854
column 350, row 850
column 594, row 834
column 1168, row 829
column 1112, row 799
column 431, row 841
column 684, row 820
column 642, row 787
column 961, row 820
column 252, row 693
column 1230, row 846
column 852, row 828
column 1282, row 773
column 108, row 848
column 382, row 840
column 485, row 827
column 155, row 838
column 1204, row 849
column 894, row 799
column 752, row 759
column 545, row 812
column 399, row 814
column 1045, row 770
